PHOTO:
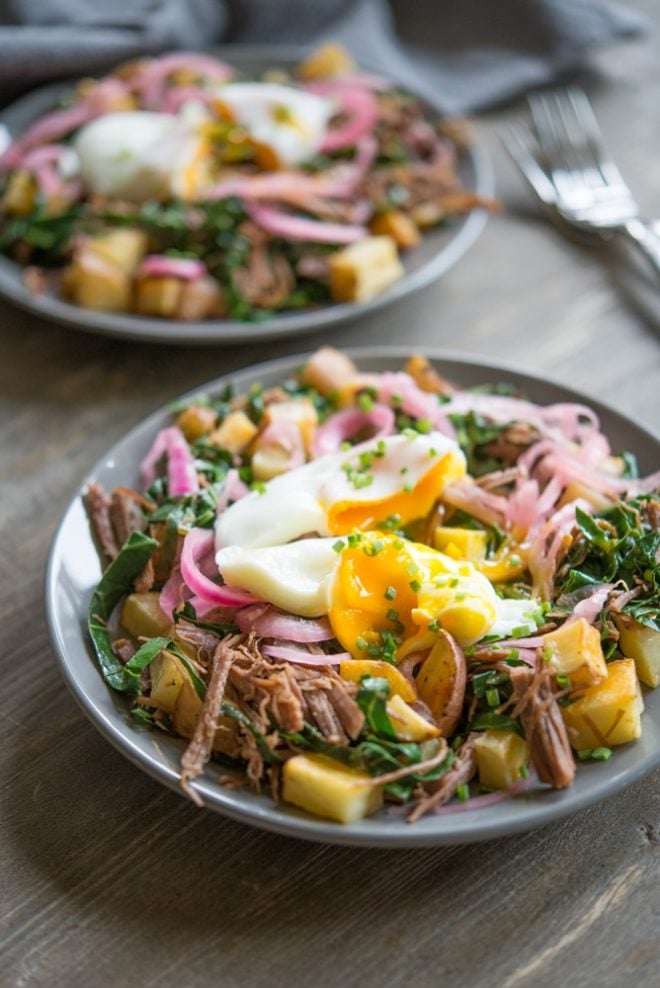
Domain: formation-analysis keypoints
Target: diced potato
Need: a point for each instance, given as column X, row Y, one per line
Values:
column 20, row 194
column 354, row 669
column 195, row 421
column 167, row 678
column 329, row 789
column 142, row 617
column 576, row 490
column 235, row 432
column 424, row 375
column 300, row 411
column 330, row 59
column 407, row 723
column 123, row 249
column 441, row 682
column 608, row 713
column 427, row 215
column 643, row 645
column 185, row 715
column 461, row 543
column 398, row 226
column 364, row 269
column 500, row 757
column 575, row 650
column 93, row 283
column 270, row 461
column 158, row 296
column 328, row 370
column 201, row 299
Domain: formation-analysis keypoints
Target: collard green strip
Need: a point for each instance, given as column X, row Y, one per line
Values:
column 117, row 581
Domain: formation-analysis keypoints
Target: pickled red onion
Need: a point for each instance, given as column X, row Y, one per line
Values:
column 269, row 623
column 346, row 424
column 285, row 434
column 181, row 475
column 162, row 266
column 197, row 544
column 359, row 105
column 299, row 656
column 152, row 80
column 298, row 228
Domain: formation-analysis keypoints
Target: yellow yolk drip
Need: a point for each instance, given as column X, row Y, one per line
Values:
column 392, row 595
column 370, row 587
column 347, row 516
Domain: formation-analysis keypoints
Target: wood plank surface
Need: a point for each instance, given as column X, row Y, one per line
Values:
column 107, row 879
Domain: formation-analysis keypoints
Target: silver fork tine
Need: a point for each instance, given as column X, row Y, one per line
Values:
column 550, row 143
column 592, row 135
column 578, row 153
column 519, row 143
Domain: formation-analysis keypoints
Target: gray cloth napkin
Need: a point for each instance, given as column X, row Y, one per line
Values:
column 466, row 54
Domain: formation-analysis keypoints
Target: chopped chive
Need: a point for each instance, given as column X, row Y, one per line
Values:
column 403, row 471
column 520, row 631
column 453, row 582
column 377, row 545
column 514, row 561
column 433, row 451
column 365, row 402
column 584, row 754
column 415, row 585
column 392, row 615
column 433, row 625
column 361, row 643
column 492, row 697
column 398, row 544
column 258, row 486
column 523, row 772
column 459, row 597
column 390, row 593
column 345, row 446
column 408, row 487
column 410, row 433
column 424, row 425
column 412, row 568
column 563, row 681
column 463, row 792
column 601, row 754
column 374, row 651
column 338, row 545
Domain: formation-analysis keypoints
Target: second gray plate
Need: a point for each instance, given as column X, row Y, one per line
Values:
column 439, row 250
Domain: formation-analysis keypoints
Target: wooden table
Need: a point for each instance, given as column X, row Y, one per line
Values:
column 108, row 879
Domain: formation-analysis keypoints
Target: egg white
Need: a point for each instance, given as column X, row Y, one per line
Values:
column 298, row 502
column 290, row 121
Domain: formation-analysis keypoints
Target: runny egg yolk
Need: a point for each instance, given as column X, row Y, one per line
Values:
column 389, row 596
column 406, row 504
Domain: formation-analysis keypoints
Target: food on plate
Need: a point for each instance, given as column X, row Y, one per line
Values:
column 363, row 589
column 176, row 188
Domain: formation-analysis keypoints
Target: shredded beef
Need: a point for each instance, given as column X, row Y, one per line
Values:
column 543, row 724
column 442, row 790
column 97, row 505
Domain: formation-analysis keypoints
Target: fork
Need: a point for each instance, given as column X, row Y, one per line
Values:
column 565, row 162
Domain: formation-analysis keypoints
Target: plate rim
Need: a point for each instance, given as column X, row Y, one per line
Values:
column 148, row 329
column 272, row 818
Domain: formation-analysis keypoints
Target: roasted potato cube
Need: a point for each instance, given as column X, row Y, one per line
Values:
column 201, row 299
column 185, row 715
column 398, row 226
column 20, row 194
column 501, row 755
column 329, row 59
column 575, row 650
column 196, row 421
column 142, row 617
column 124, row 249
column 329, row 789
column 93, row 283
column 407, row 723
column 608, row 713
column 461, row 543
column 269, row 461
column 441, row 682
column 167, row 678
column 354, row 669
column 328, row 370
column 643, row 645
column 158, row 296
column 234, row 433
column 364, row 269
column 300, row 411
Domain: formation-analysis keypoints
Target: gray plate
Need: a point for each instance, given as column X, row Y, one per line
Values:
column 439, row 250
column 73, row 571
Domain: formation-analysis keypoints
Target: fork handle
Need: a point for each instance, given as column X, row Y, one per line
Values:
column 646, row 240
